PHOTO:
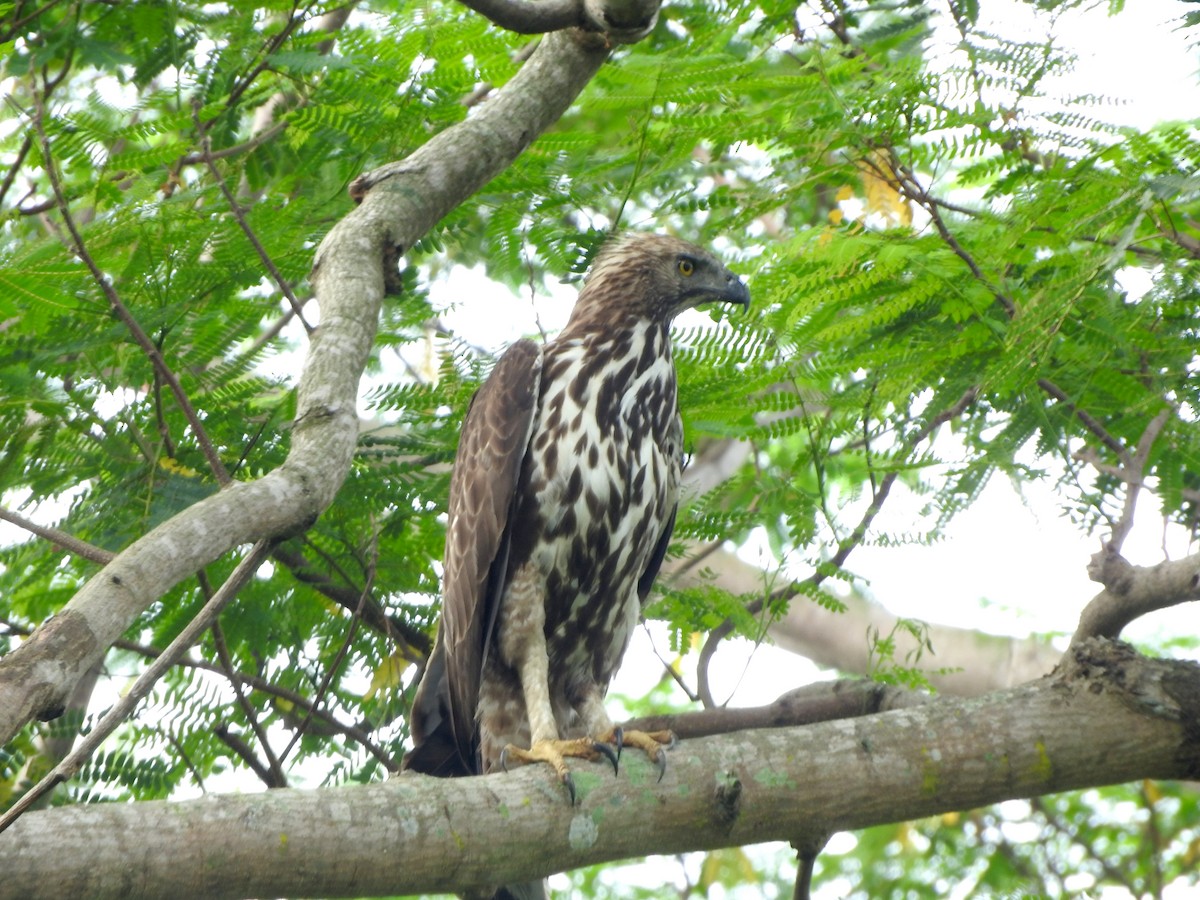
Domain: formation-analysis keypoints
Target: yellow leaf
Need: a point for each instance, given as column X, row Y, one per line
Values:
column 728, row 867
column 882, row 189
column 176, row 467
column 387, row 675
column 1150, row 789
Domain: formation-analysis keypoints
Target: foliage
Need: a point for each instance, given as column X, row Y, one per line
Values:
column 933, row 244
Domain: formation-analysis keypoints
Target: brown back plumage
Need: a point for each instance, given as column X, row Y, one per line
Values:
column 566, row 478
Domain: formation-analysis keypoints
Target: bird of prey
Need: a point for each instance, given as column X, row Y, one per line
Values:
column 562, row 503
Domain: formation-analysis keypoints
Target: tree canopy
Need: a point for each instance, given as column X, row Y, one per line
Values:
column 232, row 388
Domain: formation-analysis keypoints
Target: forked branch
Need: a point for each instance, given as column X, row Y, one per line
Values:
column 1132, row 591
column 624, row 21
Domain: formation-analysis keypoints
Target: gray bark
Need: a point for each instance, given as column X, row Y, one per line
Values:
column 1107, row 716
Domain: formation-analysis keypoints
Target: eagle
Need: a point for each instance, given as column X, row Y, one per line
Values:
column 562, row 503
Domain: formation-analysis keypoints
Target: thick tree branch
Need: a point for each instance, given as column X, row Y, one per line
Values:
column 1132, row 591
column 525, row 17
column 823, row 701
column 349, row 282
column 978, row 663
column 1108, row 716
column 623, row 21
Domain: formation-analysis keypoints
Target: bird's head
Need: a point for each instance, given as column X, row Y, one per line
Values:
column 655, row 277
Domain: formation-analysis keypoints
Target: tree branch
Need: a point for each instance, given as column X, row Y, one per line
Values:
column 121, row 710
column 823, row 701
column 977, row 663
column 119, row 309
column 1090, row 422
column 1108, row 716
column 68, row 542
column 623, row 21
column 847, row 546
column 1132, row 591
column 1137, row 472
column 271, row 774
column 532, row 18
column 409, row 199
column 414, row 643
column 239, row 216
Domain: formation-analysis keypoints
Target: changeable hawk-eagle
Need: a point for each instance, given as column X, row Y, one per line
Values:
column 562, row 503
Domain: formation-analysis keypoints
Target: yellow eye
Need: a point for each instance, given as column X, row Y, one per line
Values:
column 686, row 266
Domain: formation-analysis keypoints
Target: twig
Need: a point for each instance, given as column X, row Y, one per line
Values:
column 240, row 216
column 1132, row 469
column 118, row 307
column 160, row 413
column 68, row 542
column 272, row 44
column 16, row 26
column 847, row 546
column 348, row 596
column 343, row 650
column 1089, row 421
column 670, row 669
column 885, row 485
column 356, row 733
column 11, row 175
column 484, row 90
column 906, row 181
column 1184, row 241
column 207, row 154
column 122, row 709
column 1092, row 458
column 177, row 746
column 266, row 775
column 1137, row 472
column 274, row 772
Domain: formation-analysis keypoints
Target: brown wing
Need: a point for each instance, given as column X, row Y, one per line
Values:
column 491, row 450
column 646, row 582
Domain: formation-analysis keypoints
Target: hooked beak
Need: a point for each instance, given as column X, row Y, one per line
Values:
column 736, row 292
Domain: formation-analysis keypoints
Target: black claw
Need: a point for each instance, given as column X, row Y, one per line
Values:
column 619, row 739
column 570, row 783
column 673, row 742
column 661, row 762
column 504, row 759
column 608, row 753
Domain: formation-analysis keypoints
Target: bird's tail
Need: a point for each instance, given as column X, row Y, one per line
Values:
column 436, row 748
